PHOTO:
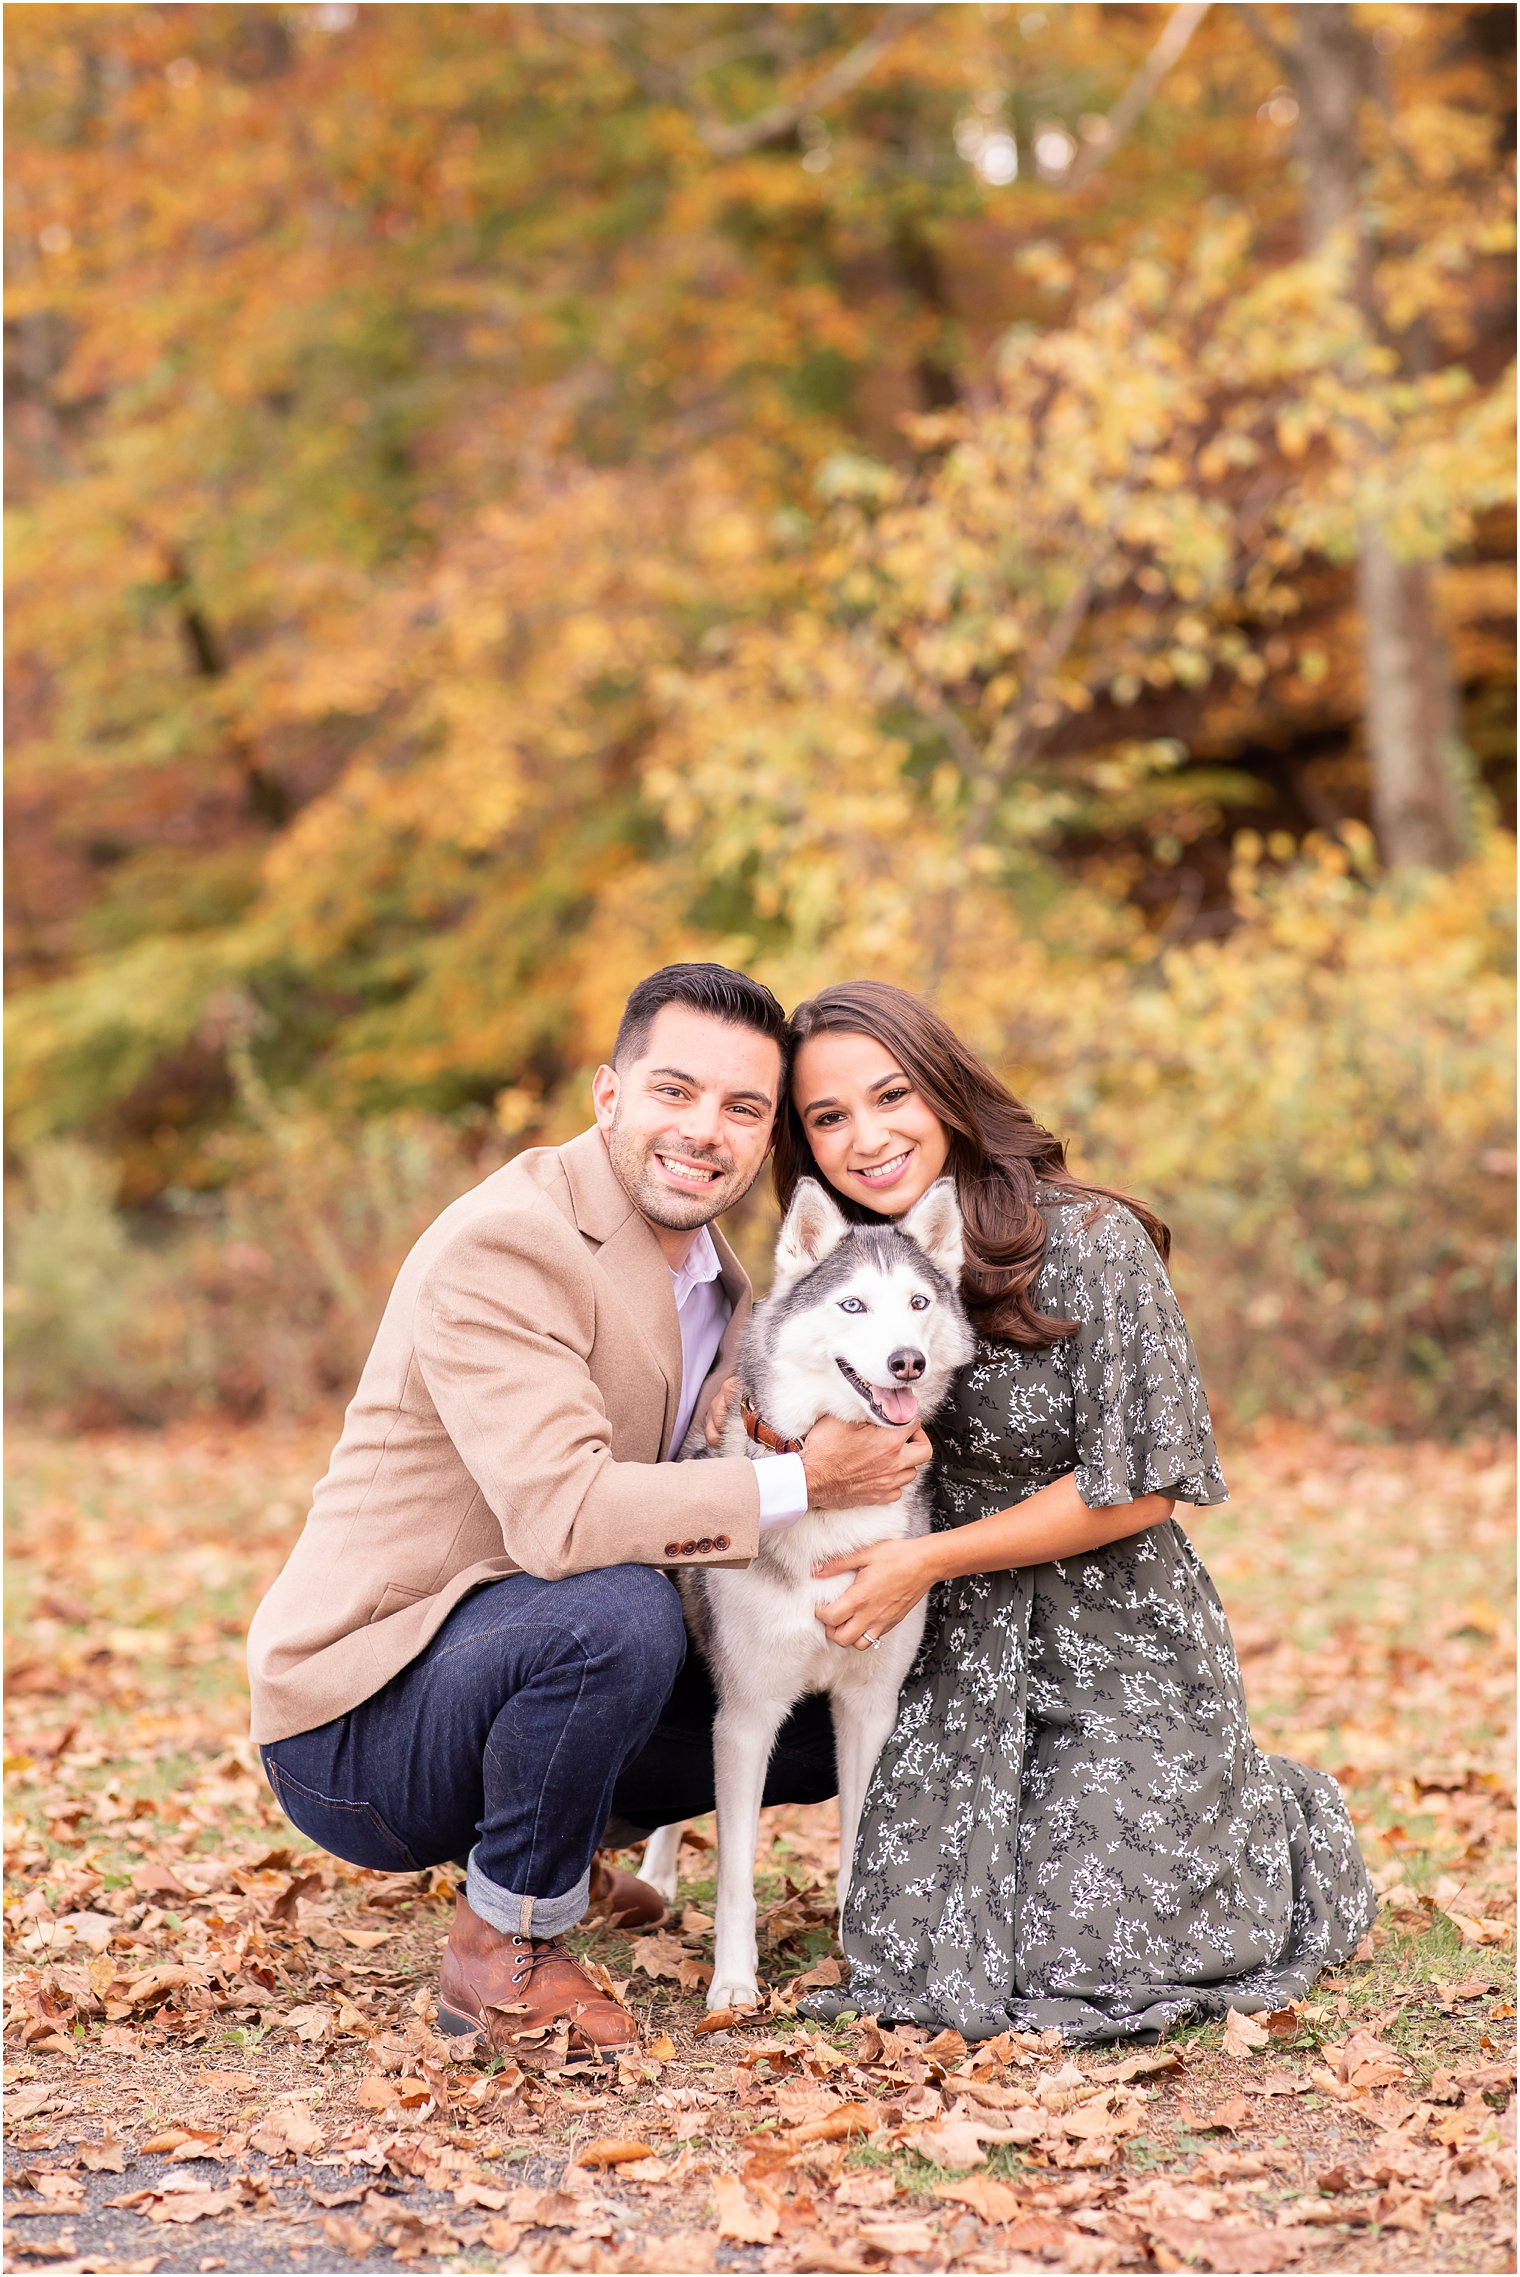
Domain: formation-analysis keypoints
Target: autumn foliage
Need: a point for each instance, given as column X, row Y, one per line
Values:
column 503, row 496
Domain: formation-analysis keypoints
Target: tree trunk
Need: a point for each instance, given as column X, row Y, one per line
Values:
column 1412, row 723
column 1411, row 699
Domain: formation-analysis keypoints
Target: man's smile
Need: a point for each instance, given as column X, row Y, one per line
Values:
column 687, row 1172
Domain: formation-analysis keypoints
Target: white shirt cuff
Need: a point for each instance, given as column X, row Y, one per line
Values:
column 783, row 1489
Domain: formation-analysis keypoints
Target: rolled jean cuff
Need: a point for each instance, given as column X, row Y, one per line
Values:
column 524, row 1916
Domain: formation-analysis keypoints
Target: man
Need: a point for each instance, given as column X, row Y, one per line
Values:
column 472, row 1638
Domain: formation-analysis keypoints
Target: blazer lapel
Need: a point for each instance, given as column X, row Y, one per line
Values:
column 631, row 1258
column 636, row 1264
column 741, row 1303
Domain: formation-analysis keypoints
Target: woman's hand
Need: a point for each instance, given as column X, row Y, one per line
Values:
column 890, row 1579
column 717, row 1413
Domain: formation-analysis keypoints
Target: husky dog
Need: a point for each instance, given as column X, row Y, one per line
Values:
column 864, row 1322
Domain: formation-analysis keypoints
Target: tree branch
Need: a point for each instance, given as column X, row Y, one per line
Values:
column 1179, row 29
column 1253, row 16
column 847, row 71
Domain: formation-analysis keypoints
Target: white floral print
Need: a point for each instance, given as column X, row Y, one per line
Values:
column 1071, row 1826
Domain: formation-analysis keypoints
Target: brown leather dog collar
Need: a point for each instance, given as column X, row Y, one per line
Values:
column 763, row 1433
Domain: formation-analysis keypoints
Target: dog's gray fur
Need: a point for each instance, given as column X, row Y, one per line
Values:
column 756, row 1627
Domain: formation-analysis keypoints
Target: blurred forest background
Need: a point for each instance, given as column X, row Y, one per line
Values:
column 1017, row 500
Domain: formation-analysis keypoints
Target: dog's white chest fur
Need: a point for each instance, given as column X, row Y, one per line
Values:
column 762, row 1624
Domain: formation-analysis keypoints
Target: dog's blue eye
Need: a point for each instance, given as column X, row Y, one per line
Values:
column 851, row 1304
column 919, row 1304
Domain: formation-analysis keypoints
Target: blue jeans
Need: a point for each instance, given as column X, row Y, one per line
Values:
column 539, row 1711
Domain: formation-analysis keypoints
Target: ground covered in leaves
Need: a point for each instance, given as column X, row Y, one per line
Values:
column 221, row 2055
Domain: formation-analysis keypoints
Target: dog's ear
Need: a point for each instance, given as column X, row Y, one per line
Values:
column 934, row 1222
column 814, row 1225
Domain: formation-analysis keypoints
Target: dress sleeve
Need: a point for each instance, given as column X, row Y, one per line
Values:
column 1139, row 1416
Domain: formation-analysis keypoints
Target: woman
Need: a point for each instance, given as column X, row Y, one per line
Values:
column 1071, row 1826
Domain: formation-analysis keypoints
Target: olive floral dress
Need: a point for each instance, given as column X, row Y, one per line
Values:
column 1071, row 1826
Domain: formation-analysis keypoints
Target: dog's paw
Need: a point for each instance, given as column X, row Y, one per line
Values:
column 732, row 1992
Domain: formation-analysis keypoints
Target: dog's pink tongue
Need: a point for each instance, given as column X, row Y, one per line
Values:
column 898, row 1405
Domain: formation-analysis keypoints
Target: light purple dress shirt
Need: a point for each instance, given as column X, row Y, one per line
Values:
column 703, row 1311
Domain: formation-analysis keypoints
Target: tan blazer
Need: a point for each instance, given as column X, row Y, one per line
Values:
column 522, row 1388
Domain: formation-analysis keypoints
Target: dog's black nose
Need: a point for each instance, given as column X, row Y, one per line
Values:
column 907, row 1363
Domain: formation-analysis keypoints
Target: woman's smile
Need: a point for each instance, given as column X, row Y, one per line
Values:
column 885, row 1173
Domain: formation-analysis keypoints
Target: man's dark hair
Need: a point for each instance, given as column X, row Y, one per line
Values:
column 714, row 989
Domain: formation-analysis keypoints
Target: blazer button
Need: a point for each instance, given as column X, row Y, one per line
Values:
column 672, row 1549
column 688, row 1549
column 720, row 1541
column 703, row 1547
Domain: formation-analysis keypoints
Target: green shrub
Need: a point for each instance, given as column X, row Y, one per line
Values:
column 93, row 1325
column 1322, row 1106
column 1320, row 1103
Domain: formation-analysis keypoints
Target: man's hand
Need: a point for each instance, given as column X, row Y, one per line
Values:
column 717, row 1412
column 856, row 1466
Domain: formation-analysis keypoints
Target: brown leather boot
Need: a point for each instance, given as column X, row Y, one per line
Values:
column 502, row 1986
column 622, row 1900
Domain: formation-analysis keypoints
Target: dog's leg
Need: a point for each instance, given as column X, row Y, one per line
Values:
column 743, row 1735
column 658, row 1867
column 863, row 1717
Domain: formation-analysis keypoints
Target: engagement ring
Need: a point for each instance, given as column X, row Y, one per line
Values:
column 867, row 1638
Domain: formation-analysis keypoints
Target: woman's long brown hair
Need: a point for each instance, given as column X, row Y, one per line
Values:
column 999, row 1154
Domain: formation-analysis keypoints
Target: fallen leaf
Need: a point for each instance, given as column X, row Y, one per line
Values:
column 1141, row 2065
column 194, row 2205
column 350, row 2238
column 1231, row 2115
column 952, row 2143
column 311, row 2022
column 25, row 2102
column 660, row 1955
column 1243, row 2034
column 742, row 2217
column 287, row 2128
column 1474, row 1931
column 104, row 2158
column 682, row 2253
column 153, row 1880
column 993, row 2201
column 93, row 1929
column 618, row 2153
column 947, row 2048
column 154, row 1984
column 826, row 1972
column 58, row 2193
column 870, row 2190
column 286, row 1904
column 898, row 2237
column 482, row 2194
column 647, row 2170
column 226, row 2082
column 1088, row 2121
column 1240, row 2251
column 1477, row 2181
column 839, row 2124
